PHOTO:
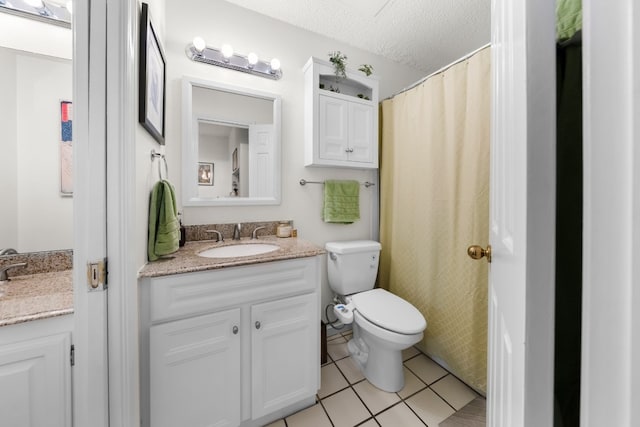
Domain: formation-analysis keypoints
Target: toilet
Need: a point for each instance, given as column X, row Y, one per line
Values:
column 383, row 323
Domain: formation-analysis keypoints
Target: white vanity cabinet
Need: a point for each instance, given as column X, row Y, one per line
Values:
column 35, row 374
column 341, row 117
column 237, row 346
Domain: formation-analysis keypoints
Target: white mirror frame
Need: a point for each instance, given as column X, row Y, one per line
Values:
column 190, row 195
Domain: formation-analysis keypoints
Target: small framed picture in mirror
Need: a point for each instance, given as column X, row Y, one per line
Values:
column 205, row 173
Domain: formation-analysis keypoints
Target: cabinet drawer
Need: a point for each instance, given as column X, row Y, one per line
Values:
column 183, row 295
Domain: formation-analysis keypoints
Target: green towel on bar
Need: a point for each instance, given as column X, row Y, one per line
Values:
column 164, row 228
column 568, row 18
column 341, row 201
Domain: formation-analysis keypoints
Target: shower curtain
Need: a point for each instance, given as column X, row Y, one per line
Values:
column 434, row 203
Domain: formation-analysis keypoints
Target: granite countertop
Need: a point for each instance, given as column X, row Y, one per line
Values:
column 186, row 260
column 36, row 296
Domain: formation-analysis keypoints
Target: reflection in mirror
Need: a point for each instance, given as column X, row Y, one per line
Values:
column 35, row 150
column 231, row 145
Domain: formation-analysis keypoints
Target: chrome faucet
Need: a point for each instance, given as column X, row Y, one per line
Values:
column 4, row 276
column 236, row 231
column 8, row 251
column 219, row 234
column 254, row 235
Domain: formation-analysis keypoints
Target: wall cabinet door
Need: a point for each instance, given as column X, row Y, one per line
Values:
column 35, row 382
column 361, row 139
column 284, row 353
column 333, row 138
column 195, row 371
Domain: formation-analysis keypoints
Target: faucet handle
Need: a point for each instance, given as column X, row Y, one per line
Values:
column 219, row 234
column 254, row 235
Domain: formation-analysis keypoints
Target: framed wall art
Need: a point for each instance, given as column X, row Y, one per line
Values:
column 152, row 78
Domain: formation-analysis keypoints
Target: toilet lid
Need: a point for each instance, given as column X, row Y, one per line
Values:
column 389, row 311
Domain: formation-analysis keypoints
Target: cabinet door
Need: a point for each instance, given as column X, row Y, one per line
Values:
column 361, row 142
column 35, row 382
column 284, row 353
column 195, row 371
column 333, row 134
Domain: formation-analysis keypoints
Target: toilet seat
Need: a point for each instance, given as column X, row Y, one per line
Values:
column 388, row 311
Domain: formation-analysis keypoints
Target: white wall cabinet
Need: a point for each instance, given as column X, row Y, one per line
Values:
column 237, row 346
column 35, row 378
column 341, row 117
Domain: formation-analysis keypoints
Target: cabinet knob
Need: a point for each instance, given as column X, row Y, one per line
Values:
column 235, row 330
column 258, row 325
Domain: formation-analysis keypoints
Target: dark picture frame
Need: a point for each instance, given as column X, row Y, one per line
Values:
column 205, row 173
column 152, row 79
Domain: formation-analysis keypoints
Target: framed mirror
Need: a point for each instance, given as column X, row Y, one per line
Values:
column 230, row 145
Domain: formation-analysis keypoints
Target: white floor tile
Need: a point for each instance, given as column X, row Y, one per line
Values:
column 374, row 398
column 412, row 384
column 331, row 380
column 312, row 416
column 426, row 369
column 337, row 348
column 279, row 423
column 399, row 415
column 345, row 409
column 429, row 407
column 454, row 391
column 350, row 370
column 370, row 423
column 409, row 353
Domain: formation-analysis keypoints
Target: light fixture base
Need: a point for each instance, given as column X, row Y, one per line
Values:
column 236, row 62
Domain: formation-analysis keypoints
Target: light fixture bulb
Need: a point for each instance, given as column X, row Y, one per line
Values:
column 199, row 44
column 275, row 64
column 227, row 51
column 34, row 3
column 252, row 59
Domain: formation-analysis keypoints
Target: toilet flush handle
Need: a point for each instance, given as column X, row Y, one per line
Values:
column 333, row 256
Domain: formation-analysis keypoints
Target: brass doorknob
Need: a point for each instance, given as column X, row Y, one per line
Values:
column 477, row 252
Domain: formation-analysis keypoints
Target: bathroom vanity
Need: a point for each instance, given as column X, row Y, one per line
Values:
column 230, row 341
column 36, row 321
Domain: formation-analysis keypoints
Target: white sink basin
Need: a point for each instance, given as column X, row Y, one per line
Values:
column 233, row 251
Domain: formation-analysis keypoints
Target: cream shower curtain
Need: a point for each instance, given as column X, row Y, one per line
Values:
column 434, row 203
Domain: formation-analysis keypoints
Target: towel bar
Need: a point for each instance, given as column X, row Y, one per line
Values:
column 367, row 184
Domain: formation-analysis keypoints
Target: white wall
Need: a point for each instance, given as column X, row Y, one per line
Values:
column 215, row 149
column 219, row 22
column 146, row 172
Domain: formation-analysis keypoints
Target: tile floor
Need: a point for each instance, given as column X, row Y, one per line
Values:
column 346, row 399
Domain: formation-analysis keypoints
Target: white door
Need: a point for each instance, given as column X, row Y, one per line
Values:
column 90, row 373
column 35, row 379
column 285, row 353
column 194, row 367
column 261, row 161
column 361, row 141
column 333, row 133
column 522, row 233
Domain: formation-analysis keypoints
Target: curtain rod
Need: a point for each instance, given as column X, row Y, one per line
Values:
column 445, row 68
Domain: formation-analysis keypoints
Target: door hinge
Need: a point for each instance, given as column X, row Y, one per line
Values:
column 72, row 355
column 97, row 275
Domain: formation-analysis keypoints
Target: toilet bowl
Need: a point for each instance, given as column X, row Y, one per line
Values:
column 383, row 323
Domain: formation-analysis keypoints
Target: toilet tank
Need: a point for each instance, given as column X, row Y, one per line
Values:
column 352, row 266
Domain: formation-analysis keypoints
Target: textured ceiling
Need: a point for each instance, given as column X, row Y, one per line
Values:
column 424, row 34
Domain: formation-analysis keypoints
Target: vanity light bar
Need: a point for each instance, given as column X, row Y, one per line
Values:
column 225, row 58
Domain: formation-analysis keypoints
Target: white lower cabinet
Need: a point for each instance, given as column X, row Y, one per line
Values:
column 35, row 382
column 284, row 335
column 195, row 371
column 232, row 347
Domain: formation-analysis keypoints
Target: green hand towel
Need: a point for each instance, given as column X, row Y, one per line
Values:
column 164, row 228
column 341, row 201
